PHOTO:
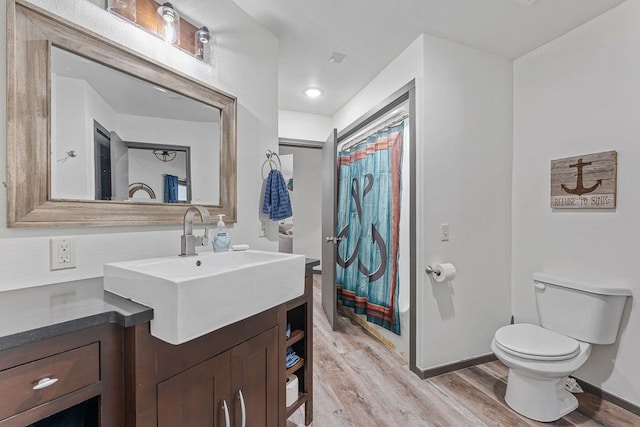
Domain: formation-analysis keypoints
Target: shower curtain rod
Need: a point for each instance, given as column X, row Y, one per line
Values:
column 358, row 139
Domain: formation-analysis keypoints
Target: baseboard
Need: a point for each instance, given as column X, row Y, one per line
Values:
column 589, row 388
column 598, row 392
column 450, row 367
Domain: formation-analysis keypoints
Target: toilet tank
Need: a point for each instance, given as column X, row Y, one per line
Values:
column 586, row 312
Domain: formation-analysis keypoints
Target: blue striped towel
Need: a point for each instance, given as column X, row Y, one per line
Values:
column 276, row 197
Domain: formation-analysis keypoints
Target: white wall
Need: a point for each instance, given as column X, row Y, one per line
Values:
column 68, row 133
column 144, row 167
column 464, row 180
column 310, row 127
column 464, row 131
column 306, row 200
column 578, row 95
column 244, row 63
column 200, row 136
column 75, row 105
column 307, row 164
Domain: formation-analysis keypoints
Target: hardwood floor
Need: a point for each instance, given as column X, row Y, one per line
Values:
column 358, row 381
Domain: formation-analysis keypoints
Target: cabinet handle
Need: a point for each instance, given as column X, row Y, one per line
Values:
column 227, row 422
column 44, row 383
column 242, row 408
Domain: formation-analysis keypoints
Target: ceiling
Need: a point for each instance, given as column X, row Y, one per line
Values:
column 371, row 33
column 130, row 95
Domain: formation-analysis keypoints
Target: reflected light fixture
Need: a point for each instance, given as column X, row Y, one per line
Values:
column 123, row 8
column 169, row 24
column 313, row 92
column 165, row 155
column 202, row 38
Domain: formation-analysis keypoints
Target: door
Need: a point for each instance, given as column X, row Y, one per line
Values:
column 329, row 213
column 102, row 154
column 119, row 168
column 198, row 396
column 255, row 382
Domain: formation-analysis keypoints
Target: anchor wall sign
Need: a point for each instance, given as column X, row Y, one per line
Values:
column 584, row 182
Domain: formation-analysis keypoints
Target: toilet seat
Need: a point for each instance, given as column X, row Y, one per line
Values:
column 536, row 343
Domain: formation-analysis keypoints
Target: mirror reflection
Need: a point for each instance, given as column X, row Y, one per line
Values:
column 117, row 137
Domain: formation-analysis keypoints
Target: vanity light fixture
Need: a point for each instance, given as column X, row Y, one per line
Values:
column 313, row 92
column 163, row 20
column 203, row 35
column 123, row 8
column 165, row 155
column 202, row 38
column 169, row 24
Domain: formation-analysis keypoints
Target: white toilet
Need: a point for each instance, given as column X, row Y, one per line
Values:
column 572, row 317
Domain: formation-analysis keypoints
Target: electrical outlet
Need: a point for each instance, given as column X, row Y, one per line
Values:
column 63, row 254
column 444, row 232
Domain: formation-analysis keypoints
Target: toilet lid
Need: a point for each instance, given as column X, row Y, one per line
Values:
column 534, row 342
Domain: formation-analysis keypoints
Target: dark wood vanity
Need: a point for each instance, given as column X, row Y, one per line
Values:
column 190, row 384
column 108, row 358
column 86, row 364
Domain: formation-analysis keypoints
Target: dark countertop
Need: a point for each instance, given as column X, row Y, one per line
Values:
column 37, row 313
column 33, row 314
column 311, row 262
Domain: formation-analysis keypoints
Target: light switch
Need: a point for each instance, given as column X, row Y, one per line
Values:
column 444, row 232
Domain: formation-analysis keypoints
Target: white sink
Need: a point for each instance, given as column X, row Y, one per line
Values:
column 194, row 295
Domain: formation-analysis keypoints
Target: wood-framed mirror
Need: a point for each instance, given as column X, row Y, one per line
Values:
column 68, row 136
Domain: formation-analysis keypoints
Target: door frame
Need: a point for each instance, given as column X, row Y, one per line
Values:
column 404, row 94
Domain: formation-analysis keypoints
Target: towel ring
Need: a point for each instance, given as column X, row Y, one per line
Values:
column 271, row 162
column 137, row 186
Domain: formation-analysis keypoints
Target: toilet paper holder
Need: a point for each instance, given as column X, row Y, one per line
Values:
column 441, row 272
column 430, row 271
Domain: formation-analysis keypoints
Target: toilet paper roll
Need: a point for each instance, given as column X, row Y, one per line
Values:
column 292, row 389
column 444, row 272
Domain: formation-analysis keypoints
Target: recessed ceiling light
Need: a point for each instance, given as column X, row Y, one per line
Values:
column 313, row 92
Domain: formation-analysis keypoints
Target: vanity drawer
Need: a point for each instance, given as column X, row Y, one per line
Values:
column 73, row 369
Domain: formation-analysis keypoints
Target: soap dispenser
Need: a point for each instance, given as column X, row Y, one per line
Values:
column 221, row 236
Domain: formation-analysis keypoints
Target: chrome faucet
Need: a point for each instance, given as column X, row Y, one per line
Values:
column 188, row 241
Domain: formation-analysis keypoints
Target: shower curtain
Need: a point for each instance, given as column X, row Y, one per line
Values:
column 369, row 189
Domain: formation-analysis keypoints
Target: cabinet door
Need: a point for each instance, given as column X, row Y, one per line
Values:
column 196, row 397
column 254, row 375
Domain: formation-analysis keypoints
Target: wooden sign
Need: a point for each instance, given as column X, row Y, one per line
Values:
column 584, row 182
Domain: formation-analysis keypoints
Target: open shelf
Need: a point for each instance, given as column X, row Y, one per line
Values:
column 302, row 398
column 299, row 318
column 295, row 367
column 295, row 336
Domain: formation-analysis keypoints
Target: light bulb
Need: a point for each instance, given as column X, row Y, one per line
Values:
column 169, row 24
